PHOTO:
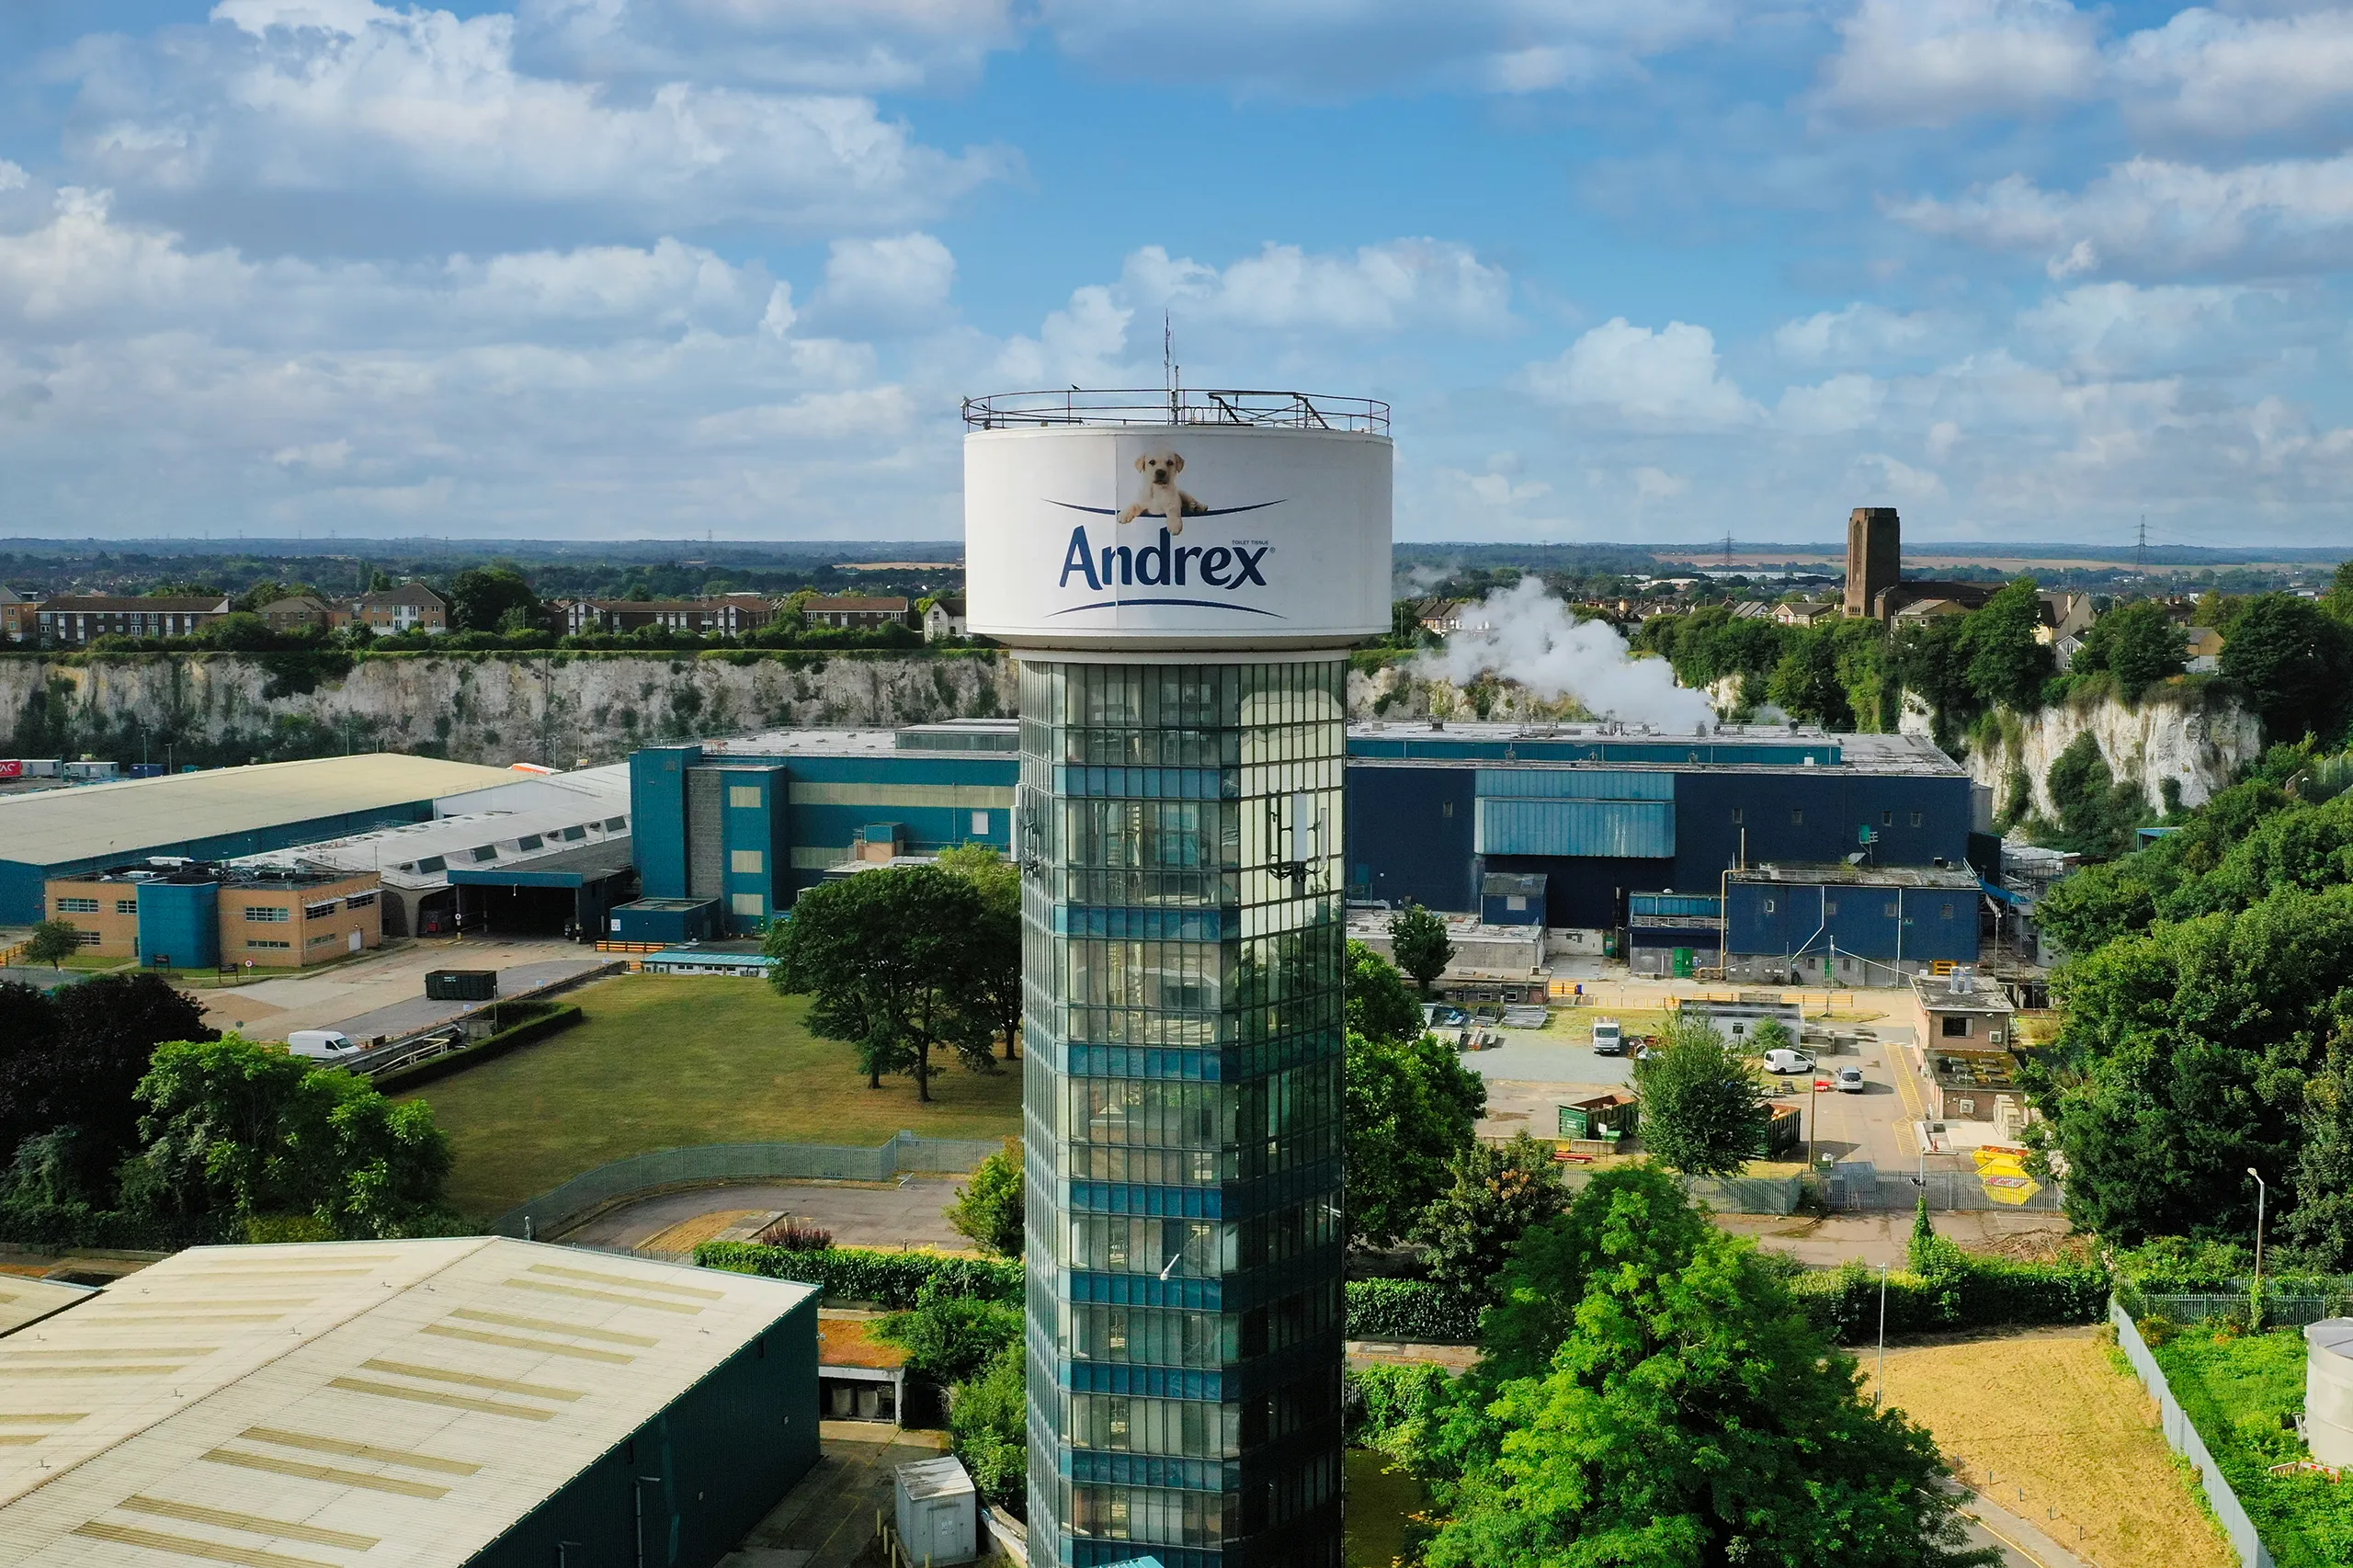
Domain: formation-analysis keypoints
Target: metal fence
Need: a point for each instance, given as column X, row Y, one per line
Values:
column 2184, row 1441
column 715, row 1163
column 1855, row 1187
column 2291, row 1310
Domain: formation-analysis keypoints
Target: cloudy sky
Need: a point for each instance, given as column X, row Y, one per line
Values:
column 1628, row 270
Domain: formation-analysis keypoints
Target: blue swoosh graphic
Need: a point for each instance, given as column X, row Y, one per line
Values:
column 1203, row 604
column 1213, row 512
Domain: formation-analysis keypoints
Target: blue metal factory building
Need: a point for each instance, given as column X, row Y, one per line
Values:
column 1624, row 830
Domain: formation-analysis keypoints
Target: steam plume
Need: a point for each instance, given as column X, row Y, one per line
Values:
column 1530, row 637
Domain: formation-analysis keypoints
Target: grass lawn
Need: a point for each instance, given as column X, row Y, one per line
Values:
column 668, row 1061
column 2237, row 1389
column 2055, row 1412
column 1380, row 1502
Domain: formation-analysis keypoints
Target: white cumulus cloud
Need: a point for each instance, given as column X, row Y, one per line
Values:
column 1669, row 378
column 1934, row 61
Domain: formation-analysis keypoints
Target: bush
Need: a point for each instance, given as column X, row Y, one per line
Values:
column 57, row 1228
column 1392, row 1408
column 892, row 1280
column 1981, row 1293
column 1414, row 1310
column 949, row 1338
column 990, row 1425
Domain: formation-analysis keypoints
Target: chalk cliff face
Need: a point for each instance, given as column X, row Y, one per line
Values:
column 559, row 710
column 2196, row 738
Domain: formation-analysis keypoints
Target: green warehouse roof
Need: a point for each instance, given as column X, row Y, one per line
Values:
column 56, row 826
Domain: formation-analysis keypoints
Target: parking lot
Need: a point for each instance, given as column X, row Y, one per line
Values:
column 383, row 993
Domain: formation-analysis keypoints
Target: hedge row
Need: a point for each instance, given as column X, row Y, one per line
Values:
column 1414, row 1310
column 892, row 1280
column 539, row 1019
column 64, row 1227
column 1845, row 1303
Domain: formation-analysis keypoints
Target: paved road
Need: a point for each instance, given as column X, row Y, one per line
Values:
column 827, row 1521
column 423, row 1013
column 910, row 1214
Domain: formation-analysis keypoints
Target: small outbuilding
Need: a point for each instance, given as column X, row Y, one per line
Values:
column 938, row 1512
column 2328, row 1392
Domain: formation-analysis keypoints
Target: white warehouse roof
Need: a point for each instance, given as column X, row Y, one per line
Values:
column 381, row 1405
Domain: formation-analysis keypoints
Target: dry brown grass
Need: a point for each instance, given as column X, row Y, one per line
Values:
column 689, row 1234
column 2051, row 1413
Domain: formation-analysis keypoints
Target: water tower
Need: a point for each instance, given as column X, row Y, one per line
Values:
column 1179, row 575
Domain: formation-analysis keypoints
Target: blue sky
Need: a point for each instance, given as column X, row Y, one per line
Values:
column 1628, row 269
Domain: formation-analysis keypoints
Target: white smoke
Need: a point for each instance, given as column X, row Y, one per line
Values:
column 1524, row 634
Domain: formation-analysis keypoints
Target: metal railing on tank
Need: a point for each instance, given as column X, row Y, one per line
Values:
column 1183, row 405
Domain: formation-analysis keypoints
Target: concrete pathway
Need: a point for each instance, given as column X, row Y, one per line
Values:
column 827, row 1521
column 2021, row 1541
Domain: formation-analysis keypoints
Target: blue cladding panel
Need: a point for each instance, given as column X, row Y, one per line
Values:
column 1862, row 920
column 1409, row 835
column 1555, row 784
column 657, row 804
column 1607, row 829
column 180, row 921
column 1677, row 903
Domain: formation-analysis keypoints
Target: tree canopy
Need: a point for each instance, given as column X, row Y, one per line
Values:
column 492, row 598
column 2296, row 663
column 1703, row 1111
column 1418, row 938
column 890, row 958
column 1498, row 1191
column 994, row 939
column 989, row 1207
column 1379, row 1007
column 1411, row 1106
column 1651, row 1394
column 2138, row 643
column 69, row 1066
column 52, row 942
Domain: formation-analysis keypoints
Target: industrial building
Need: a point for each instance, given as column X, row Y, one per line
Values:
column 174, row 914
column 747, row 824
column 1583, row 837
column 532, row 855
column 219, row 814
column 470, row 1401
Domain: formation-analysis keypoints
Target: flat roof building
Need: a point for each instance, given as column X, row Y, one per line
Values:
column 219, row 814
column 177, row 914
column 432, row 1404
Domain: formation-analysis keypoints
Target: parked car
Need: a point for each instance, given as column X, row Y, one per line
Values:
column 1786, row 1061
column 323, row 1045
column 1850, row 1080
column 1609, row 1038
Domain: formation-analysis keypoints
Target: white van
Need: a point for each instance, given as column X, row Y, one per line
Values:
column 1785, row 1061
column 323, row 1045
column 1608, row 1038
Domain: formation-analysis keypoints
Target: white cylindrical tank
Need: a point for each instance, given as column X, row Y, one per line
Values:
column 1120, row 529
column 2328, row 1390
column 938, row 1513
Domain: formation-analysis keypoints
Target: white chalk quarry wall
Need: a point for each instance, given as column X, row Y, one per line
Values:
column 2195, row 738
column 557, row 710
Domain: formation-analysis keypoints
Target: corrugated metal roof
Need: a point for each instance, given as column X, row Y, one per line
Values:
column 391, row 1404
column 123, row 818
column 28, row 1301
column 1613, row 829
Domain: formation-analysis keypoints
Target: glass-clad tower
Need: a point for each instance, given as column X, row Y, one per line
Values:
column 1179, row 825
column 1179, row 574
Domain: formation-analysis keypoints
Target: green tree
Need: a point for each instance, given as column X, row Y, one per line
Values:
column 481, row 598
column 1929, row 660
column 1689, row 1414
column 2294, row 663
column 995, row 997
column 70, row 1065
column 1497, row 1192
column 1418, row 938
column 1410, row 1110
column 2319, row 1228
column 949, row 1338
column 989, row 1425
column 246, row 1130
column 52, row 942
column 988, row 1208
column 1703, row 1111
column 1807, row 683
column 1380, row 1008
column 2138, row 643
column 2007, row 665
column 2183, row 1060
column 2096, row 811
column 888, row 957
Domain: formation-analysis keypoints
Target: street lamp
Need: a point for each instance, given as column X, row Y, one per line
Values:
column 2260, row 1190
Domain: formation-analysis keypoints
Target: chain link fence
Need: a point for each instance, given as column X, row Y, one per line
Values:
column 1858, row 1187
column 715, row 1163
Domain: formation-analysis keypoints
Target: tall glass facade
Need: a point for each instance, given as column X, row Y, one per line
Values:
column 1179, row 831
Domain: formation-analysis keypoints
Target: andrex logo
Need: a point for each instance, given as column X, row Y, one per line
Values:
column 1162, row 564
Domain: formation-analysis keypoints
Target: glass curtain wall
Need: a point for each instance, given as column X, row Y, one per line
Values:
column 1179, row 835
